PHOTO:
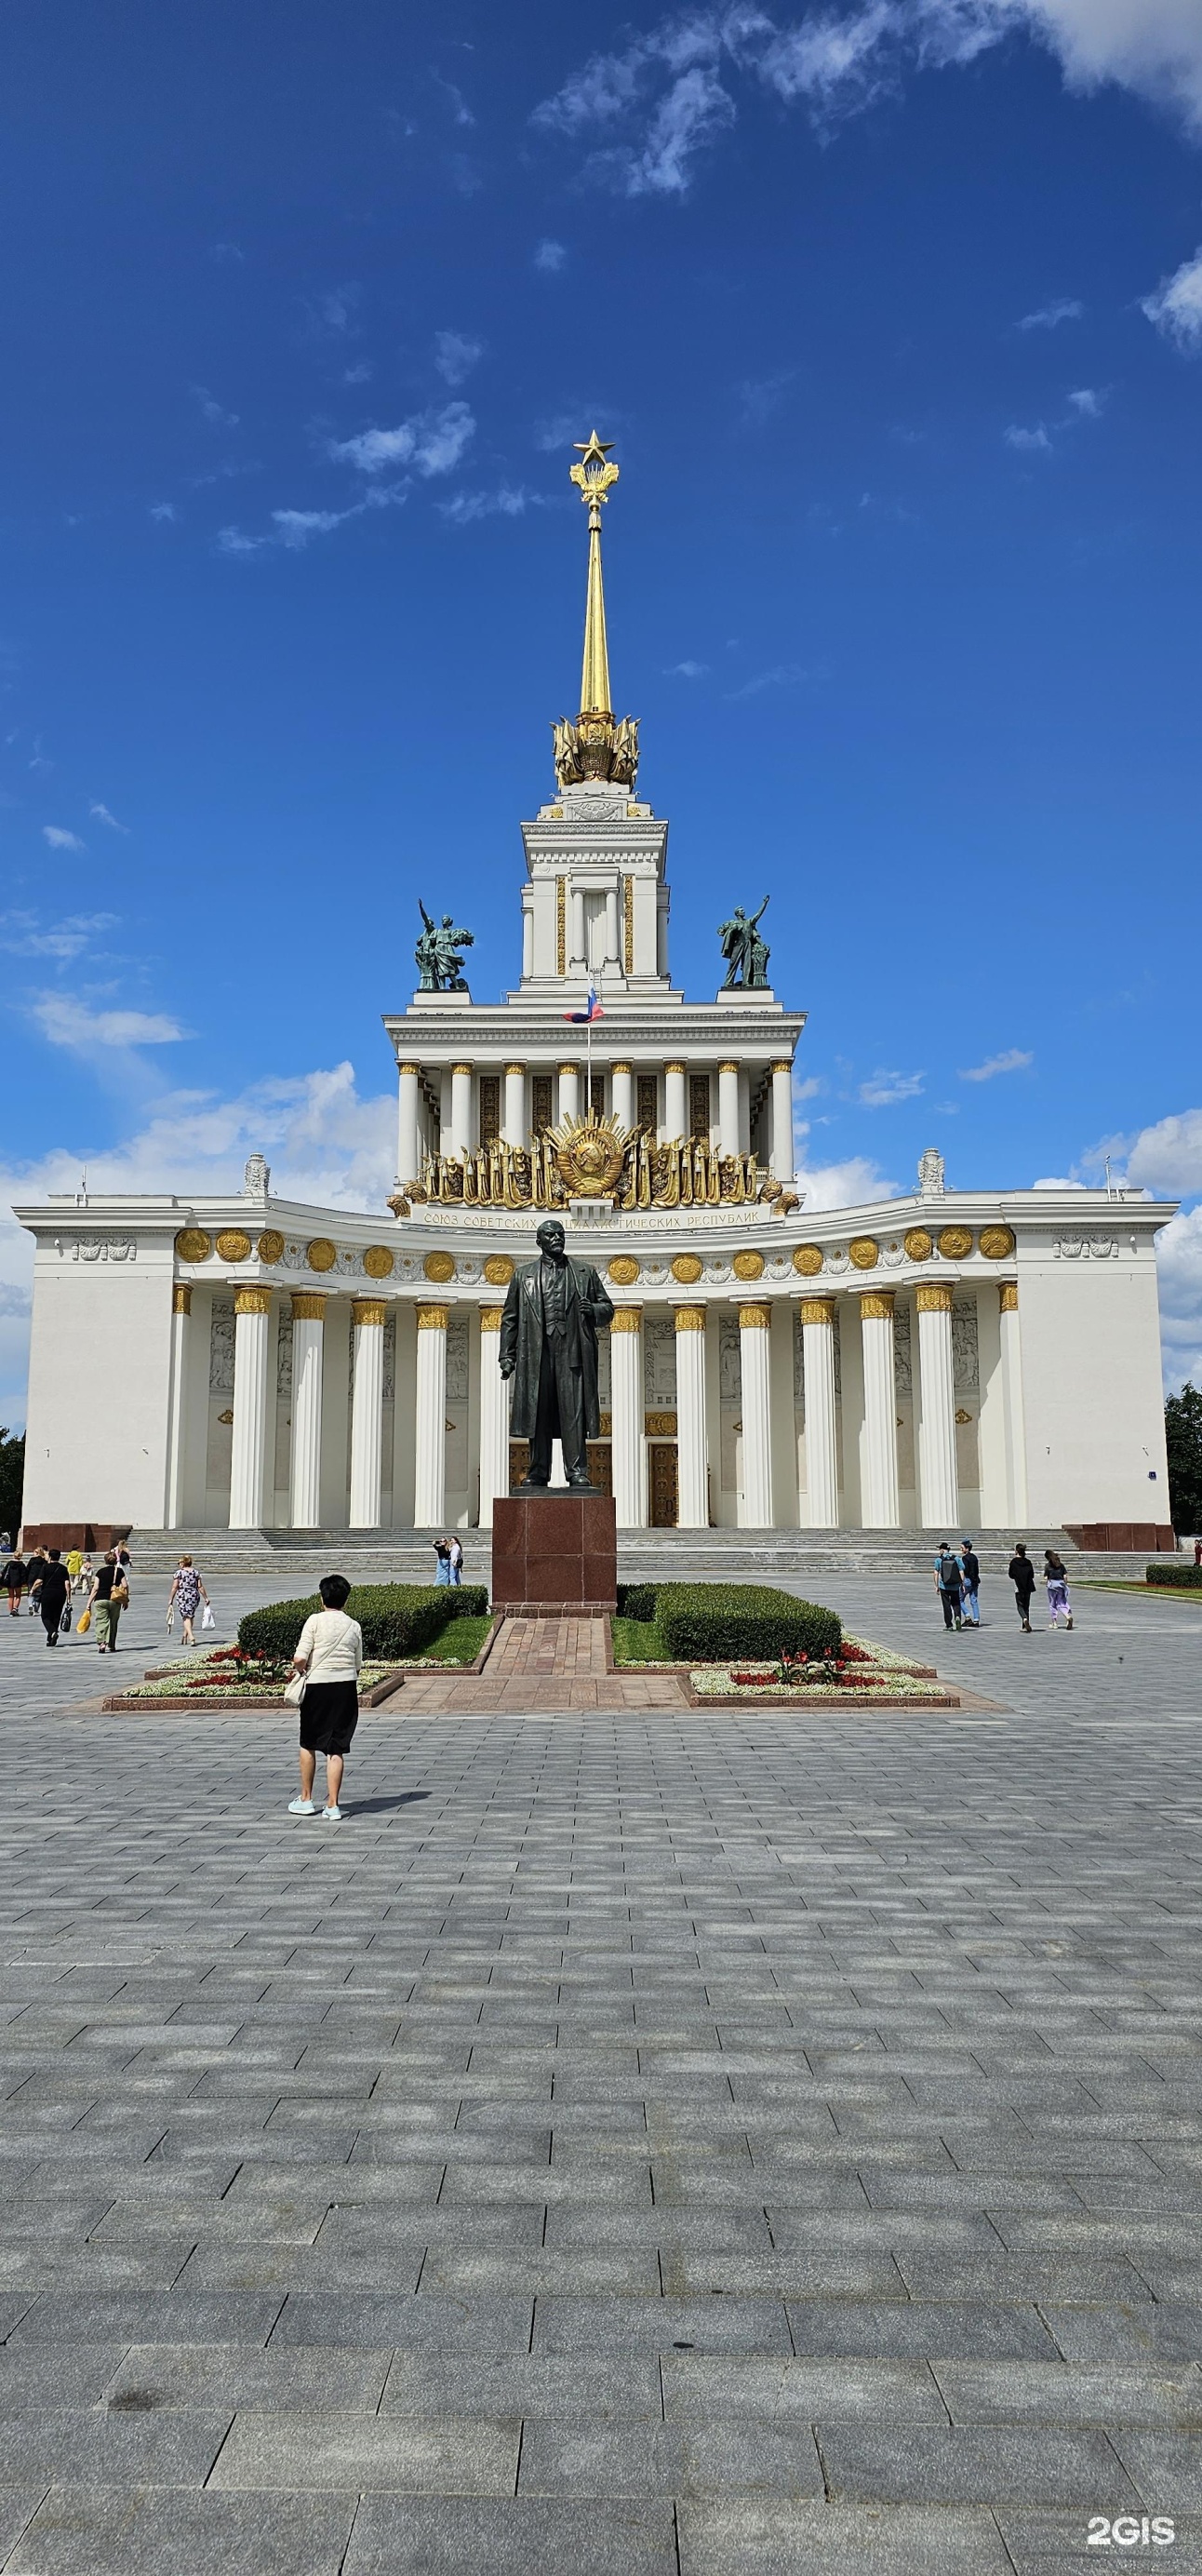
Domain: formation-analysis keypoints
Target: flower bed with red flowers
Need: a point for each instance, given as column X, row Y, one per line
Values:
column 857, row 1666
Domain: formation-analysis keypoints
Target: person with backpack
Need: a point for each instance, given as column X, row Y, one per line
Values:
column 1055, row 1575
column 970, row 1568
column 948, row 1585
column 1022, row 1575
column 52, row 1591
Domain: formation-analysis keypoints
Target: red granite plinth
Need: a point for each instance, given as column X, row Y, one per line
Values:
column 553, row 1550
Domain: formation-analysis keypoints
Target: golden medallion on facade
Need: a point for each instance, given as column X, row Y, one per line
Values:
column 919, row 1246
column 498, row 1270
column 996, row 1242
column 192, row 1245
column 687, row 1268
column 439, row 1266
column 590, row 1154
column 233, row 1245
column 955, row 1243
column 378, row 1261
column 271, row 1246
column 624, row 1270
column 321, row 1253
column 808, row 1260
column 864, row 1253
column 748, row 1265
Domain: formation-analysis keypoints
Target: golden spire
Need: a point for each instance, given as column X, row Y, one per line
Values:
column 595, row 747
column 595, row 477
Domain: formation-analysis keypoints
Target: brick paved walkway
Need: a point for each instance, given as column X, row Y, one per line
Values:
column 536, row 1665
column 690, row 2144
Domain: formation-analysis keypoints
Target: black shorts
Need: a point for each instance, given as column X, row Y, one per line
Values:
column 328, row 1717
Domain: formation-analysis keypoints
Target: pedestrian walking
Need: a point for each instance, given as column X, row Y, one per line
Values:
column 1022, row 1575
column 1198, row 1551
column 107, row 1600
column 74, row 1565
column 86, row 1573
column 970, row 1569
column 53, row 1591
column 455, row 1557
column 6, row 1542
column 187, row 1593
column 36, row 1566
column 442, row 1564
column 1055, row 1575
column 328, row 1660
column 14, row 1578
column 948, row 1585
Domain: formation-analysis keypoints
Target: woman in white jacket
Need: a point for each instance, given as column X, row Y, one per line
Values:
column 329, row 1653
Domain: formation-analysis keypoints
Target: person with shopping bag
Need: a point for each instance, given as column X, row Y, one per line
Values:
column 107, row 1600
column 187, row 1592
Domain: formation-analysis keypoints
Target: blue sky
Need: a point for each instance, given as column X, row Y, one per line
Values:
column 894, row 311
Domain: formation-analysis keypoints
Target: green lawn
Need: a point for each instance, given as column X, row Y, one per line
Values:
column 458, row 1643
column 636, row 1641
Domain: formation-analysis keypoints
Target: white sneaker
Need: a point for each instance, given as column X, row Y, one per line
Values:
column 333, row 1815
column 301, row 1807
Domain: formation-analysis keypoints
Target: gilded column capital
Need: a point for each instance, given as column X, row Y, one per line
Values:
column 309, row 1306
column 933, row 1297
column 432, row 1319
column 626, row 1319
column 369, row 1310
column 817, row 1310
column 252, row 1301
column 620, row 1066
column 675, row 1067
column 181, row 1298
column 1008, row 1296
column 568, row 1068
column 783, row 1064
column 876, row 1302
column 691, row 1319
column 515, row 1068
column 728, row 1067
column 490, row 1318
column 409, row 1068
column 461, row 1068
column 754, row 1319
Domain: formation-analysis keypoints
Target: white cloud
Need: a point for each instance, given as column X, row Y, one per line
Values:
column 101, row 814
column 673, row 89
column 884, row 1089
column 834, row 1185
column 1029, row 441
column 687, row 671
column 782, row 675
column 56, row 839
column 1011, row 1060
column 507, row 502
column 24, row 934
column 228, row 253
column 1088, row 402
column 1048, row 317
column 549, row 256
column 432, row 442
column 163, row 510
column 1179, row 1268
column 68, row 1023
column 212, row 410
column 455, row 355
column 1176, row 306
column 1166, row 1158
column 296, row 528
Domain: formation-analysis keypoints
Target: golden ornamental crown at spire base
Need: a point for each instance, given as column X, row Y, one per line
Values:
column 595, row 746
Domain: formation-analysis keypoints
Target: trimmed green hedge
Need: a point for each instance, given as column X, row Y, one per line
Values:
column 707, row 1623
column 1186, row 1578
column 396, row 1618
column 637, row 1600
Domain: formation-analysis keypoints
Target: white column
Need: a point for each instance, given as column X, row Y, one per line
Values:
column 461, row 1109
column 308, row 1351
column 692, row 1448
column 818, row 1377
column 430, row 1419
column 754, row 1347
column 494, row 1415
column 628, row 1450
column 676, row 1107
column 623, row 1094
column 613, row 954
column 248, row 1469
column 728, row 1108
column 578, row 955
column 181, row 1308
column 881, row 1503
column 569, row 1091
column 1012, row 1393
column 368, row 1317
column 408, row 1151
column 513, row 1120
column 938, row 1493
column 782, row 1121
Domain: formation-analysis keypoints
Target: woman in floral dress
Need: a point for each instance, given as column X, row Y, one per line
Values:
column 187, row 1592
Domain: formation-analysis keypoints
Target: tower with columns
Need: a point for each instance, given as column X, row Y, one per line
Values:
column 943, row 1361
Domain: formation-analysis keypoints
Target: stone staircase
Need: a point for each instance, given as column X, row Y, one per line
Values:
column 666, row 1555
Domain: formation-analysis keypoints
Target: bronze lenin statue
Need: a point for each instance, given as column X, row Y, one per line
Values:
column 549, row 1349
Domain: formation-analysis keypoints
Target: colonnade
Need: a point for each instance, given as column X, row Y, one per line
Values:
column 459, row 1132
column 935, row 1411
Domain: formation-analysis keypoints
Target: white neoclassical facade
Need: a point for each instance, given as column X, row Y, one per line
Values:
column 955, row 1359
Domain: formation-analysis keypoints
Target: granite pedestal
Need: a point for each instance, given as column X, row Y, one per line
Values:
column 554, row 1550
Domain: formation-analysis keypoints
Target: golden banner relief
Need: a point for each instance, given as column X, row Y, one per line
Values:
column 595, row 1158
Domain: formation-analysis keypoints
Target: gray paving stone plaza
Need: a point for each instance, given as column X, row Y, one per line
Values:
column 736, row 2144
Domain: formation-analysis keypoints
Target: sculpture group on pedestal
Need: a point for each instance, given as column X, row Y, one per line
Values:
column 745, row 952
column 438, row 955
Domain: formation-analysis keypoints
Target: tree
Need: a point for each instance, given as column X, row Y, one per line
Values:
column 12, row 1477
column 1183, row 1440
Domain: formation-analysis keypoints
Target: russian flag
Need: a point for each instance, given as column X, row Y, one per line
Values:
column 592, row 1009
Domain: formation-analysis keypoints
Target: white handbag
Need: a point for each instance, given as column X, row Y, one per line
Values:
column 294, row 1691
column 207, row 1619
